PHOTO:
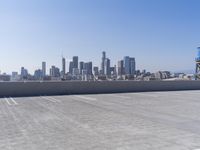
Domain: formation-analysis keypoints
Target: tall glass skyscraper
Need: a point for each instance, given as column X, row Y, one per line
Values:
column 129, row 65
column 75, row 62
column 107, row 67
column 126, row 65
column 103, row 63
column 43, row 69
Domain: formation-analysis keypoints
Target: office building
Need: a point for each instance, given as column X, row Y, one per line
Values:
column 96, row 71
column 88, row 67
column 103, row 63
column 5, row 77
column 75, row 62
column 43, row 69
column 132, row 65
column 63, row 66
column 54, row 72
column 81, row 66
column 70, row 67
column 129, row 65
column 120, row 69
column 15, row 76
column 24, row 73
column 38, row 74
column 113, row 70
column 107, row 70
column 75, row 72
column 126, row 65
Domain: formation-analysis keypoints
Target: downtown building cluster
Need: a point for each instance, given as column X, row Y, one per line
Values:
column 125, row 69
column 80, row 70
column 85, row 71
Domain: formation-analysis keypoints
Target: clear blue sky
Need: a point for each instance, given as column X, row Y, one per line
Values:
column 160, row 34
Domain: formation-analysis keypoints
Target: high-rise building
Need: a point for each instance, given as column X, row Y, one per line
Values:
column 75, row 62
column 129, row 65
column 75, row 72
column 107, row 67
column 54, row 71
column 43, row 69
column 63, row 66
column 38, row 74
column 15, row 76
column 24, row 72
column 70, row 67
column 132, row 66
column 81, row 66
column 96, row 71
column 120, row 68
column 103, row 63
column 113, row 70
column 126, row 65
column 88, row 67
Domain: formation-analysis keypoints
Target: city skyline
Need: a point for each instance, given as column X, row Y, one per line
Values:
column 65, row 62
column 36, row 31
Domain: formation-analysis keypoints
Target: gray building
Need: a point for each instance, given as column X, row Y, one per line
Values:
column 5, row 77
column 75, row 72
column 96, row 71
column 107, row 70
column 38, row 74
column 63, row 66
column 81, row 66
column 43, row 69
column 24, row 73
column 129, row 65
column 103, row 63
column 70, row 67
column 75, row 62
column 54, row 72
column 120, row 69
column 88, row 68
column 126, row 65
column 132, row 65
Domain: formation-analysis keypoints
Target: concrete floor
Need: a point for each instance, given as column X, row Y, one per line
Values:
column 132, row 121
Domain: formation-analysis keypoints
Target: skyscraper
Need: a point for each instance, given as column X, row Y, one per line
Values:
column 54, row 71
column 24, row 72
column 132, row 65
column 120, row 68
column 127, row 65
column 88, row 68
column 107, row 71
column 96, row 71
column 43, row 69
column 81, row 66
column 75, row 62
column 103, row 63
column 70, row 67
column 38, row 74
column 63, row 66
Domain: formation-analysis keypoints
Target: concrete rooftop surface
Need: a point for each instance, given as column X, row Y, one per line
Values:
column 125, row 121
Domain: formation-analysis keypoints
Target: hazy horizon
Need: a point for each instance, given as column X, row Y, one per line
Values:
column 161, row 35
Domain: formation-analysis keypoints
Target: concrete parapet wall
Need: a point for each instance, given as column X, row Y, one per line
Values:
column 16, row 89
